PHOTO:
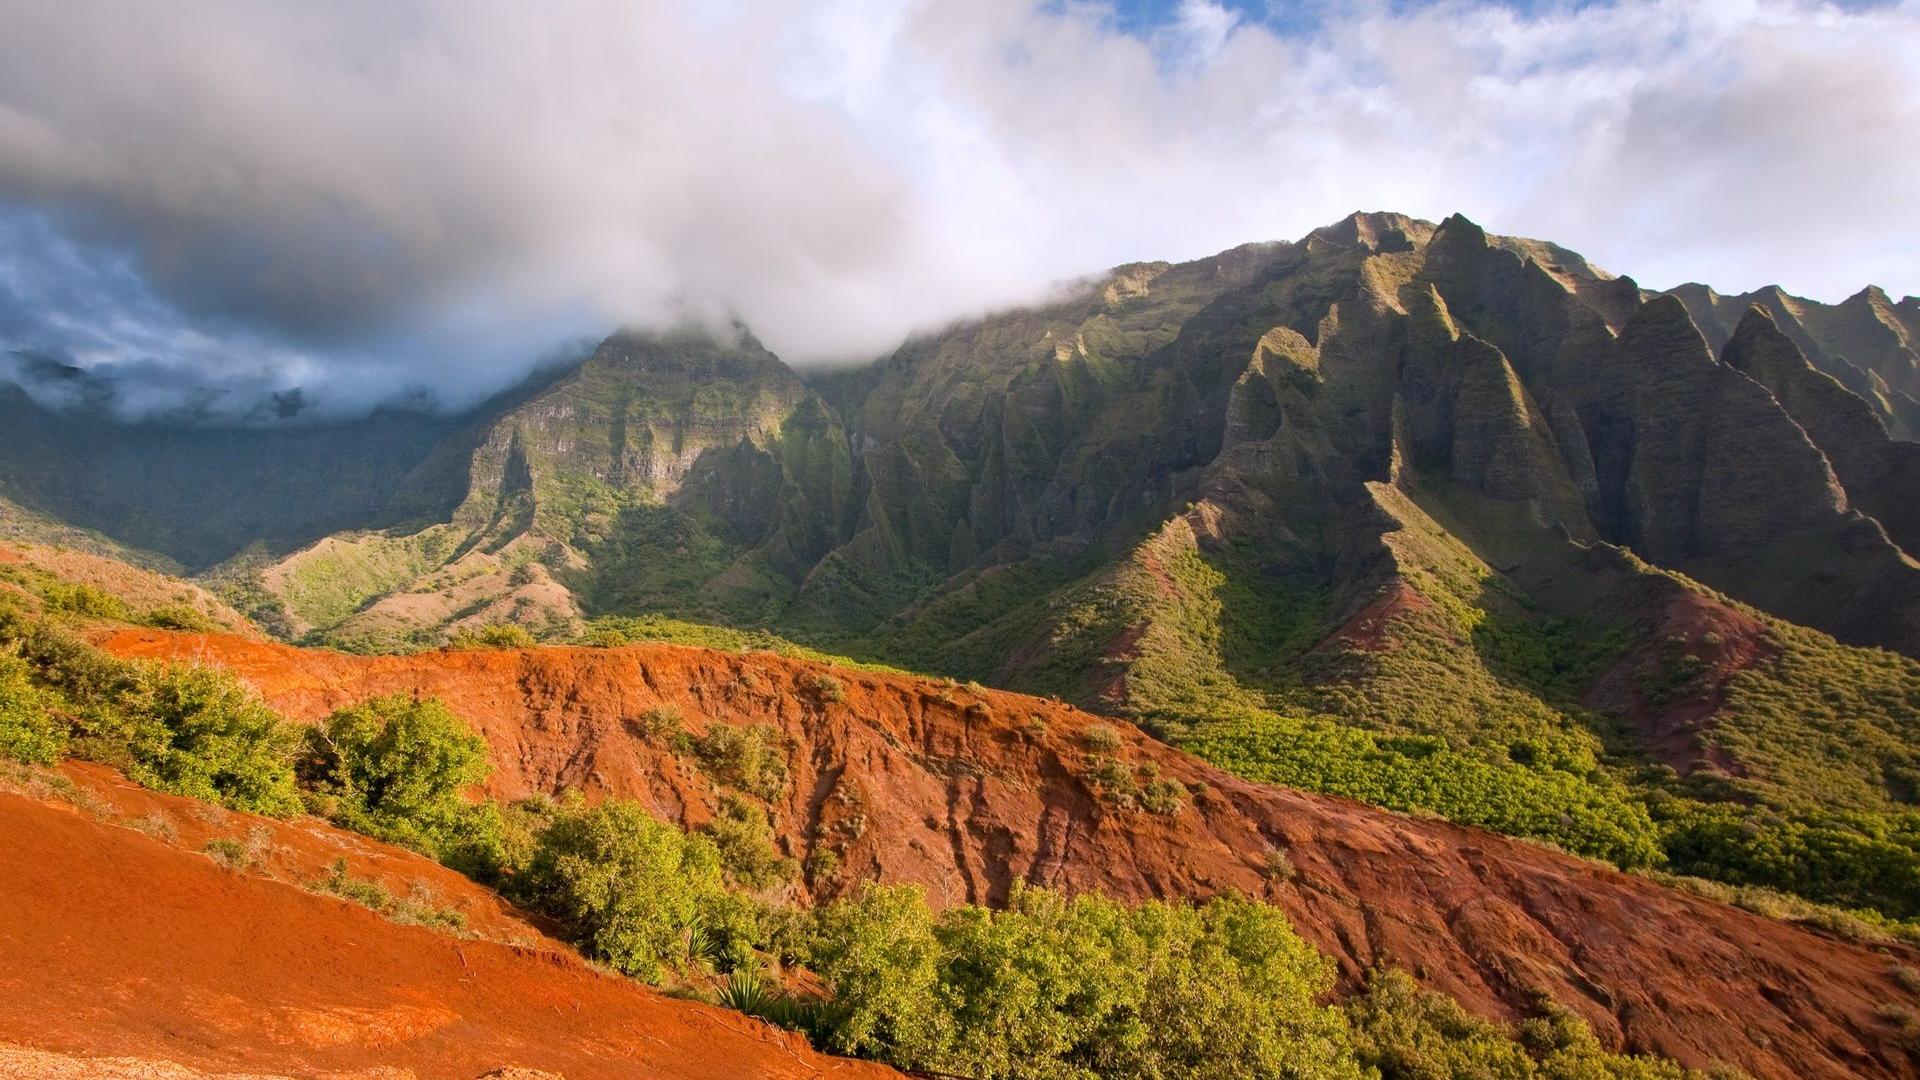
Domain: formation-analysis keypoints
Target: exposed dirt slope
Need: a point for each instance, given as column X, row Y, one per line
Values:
column 914, row 780
column 123, row 944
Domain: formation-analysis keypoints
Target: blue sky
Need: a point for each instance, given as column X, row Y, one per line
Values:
column 428, row 195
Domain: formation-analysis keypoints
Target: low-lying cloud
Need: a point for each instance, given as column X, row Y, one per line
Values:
column 368, row 199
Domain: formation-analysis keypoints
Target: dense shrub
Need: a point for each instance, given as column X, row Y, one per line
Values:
column 30, row 730
column 742, row 832
column 181, row 617
column 1587, row 814
column 83, row 600
column 635, row 892
column 494, row 636
column 751, row 758
column 1407, row 1033
column 200, row 732
column 397, row 767
column 1084, row 987
column 1857, row 860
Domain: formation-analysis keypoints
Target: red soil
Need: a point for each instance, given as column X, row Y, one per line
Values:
column 912, row 780
column 1670, row 726
column 119, row 943
column 1366, row 630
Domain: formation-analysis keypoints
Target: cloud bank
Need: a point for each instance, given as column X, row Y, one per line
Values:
column 366, row 199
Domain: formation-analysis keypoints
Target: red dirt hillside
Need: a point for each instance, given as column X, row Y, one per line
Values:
column 915, row 780
column 119, row 940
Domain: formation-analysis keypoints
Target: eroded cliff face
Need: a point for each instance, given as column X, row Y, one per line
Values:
column 966, row 791
column 1269, row 387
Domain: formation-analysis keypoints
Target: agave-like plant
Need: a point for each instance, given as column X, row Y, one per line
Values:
column 744, row 992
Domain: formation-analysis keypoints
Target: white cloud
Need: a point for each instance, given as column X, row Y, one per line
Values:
column 364, row 184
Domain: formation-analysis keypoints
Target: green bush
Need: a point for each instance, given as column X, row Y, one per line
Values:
column 397, row 767
column 181, row 617
column 635, row 892
column 743, row 834
column 494, row 636
column 1407, row 1033
column 1589, row 814
column 88, row 678
column 659, row 722
column 30, row 730
column 1082, row 987
column 828, row 688
column 202, row 733
column 751, row 758
column 83, row 600
column 1857, row 860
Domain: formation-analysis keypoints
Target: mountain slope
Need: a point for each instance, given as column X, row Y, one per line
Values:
column 669, row 469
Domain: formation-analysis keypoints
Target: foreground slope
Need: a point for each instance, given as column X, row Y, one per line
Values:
column 967, row 790
column 118, row 940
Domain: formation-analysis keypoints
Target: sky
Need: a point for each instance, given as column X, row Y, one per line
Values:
column 373, row 199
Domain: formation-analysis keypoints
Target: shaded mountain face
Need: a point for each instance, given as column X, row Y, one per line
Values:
column 1384, row 402
column 186, row 496
column 1867, row 343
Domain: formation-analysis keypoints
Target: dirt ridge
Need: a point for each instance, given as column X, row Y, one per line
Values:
column 966, row 790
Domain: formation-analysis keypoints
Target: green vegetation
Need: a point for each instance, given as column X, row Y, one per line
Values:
column 610, row 632
column 397, row 767
column 635, row 892
column 742, row 832
column 241, row 854
column 1082, row 987
column 1591, row 815
column 1466, row 708
column 181, row 617
column 191, row 731
column 202, row 733
column 331, row 580
column 84, row 600
column 1411, row 1034
column 751, row 758
column 1050, row 987
column 494, row 636
column 418, row 909
column 30, row 731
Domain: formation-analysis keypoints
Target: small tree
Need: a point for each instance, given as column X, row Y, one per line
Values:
column 398, row 767
column 201, row 732
column 879, row 954
column 636, row 892
column 29, row 729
